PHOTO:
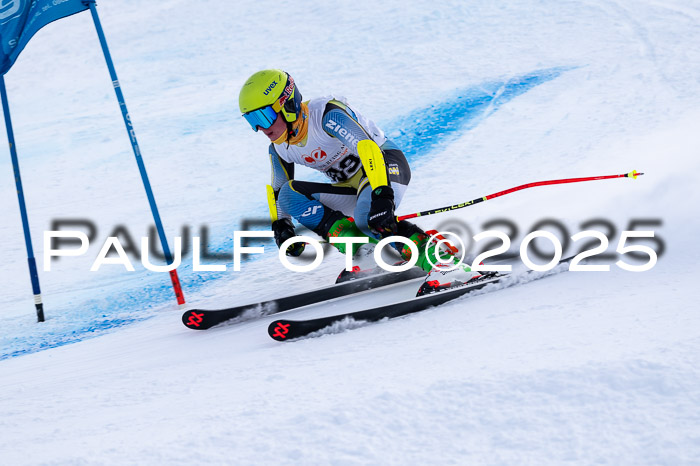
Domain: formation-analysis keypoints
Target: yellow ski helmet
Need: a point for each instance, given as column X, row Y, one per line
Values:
column 267, row 93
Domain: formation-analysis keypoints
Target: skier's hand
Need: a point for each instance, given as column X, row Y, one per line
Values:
column 284, row 230
column 381, row 218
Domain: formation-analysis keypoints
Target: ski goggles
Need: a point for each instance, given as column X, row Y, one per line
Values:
column 262, row 117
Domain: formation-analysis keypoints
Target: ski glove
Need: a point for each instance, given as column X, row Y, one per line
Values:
column 284, row 230
column 381, row 218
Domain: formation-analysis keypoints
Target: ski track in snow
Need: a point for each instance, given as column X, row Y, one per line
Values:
column 349, row 323
column 579, row 368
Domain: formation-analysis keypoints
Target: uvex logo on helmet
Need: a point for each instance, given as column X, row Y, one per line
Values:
column 316, row 156
column 270, row 87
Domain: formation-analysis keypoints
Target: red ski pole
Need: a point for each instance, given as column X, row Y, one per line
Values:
column 633, row 174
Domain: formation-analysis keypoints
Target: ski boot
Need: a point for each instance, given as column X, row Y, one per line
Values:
column 363, row 265
column 362, row 253
column 346, row 228
column 443, row 266
column 446, row 276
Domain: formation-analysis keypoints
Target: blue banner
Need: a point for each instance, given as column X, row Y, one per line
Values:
column 21, row 19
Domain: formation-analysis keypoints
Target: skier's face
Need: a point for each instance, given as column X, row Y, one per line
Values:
column 275, row 131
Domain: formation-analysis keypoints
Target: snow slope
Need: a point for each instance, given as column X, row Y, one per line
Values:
column 580, row 367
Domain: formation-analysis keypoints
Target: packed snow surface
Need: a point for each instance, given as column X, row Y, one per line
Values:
column 579, row 367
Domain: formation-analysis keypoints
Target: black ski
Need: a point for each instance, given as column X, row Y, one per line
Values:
column 284, row 330
column 201, row 319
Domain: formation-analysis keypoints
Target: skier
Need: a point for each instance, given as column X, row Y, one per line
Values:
column 328, row 135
